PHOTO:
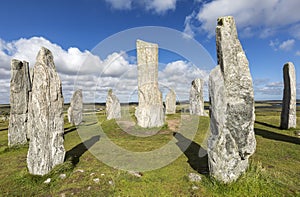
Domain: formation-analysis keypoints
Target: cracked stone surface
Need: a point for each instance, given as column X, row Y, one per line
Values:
column 20, row 87
column 232, row 140
column 113, row 107
column 75, row 109
column 46, row 146
column 150, row 112
column 288, row 113
column 196, row 98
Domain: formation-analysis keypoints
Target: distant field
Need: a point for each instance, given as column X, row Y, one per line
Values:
column 274, row 168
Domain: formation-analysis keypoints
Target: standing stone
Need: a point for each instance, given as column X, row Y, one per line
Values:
column 232, row 140
column 171, row 102
column 113, row 107
column 196, row 98
column 20, row 86
column 75, row 109
column 46, row 147
column 150, row 112
column 288, row 113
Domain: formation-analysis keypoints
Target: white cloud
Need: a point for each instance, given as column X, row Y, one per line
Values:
column 158, row 6
column 83, row 70
column 286, row 45
column 263, row 17
column 297, row 53
column 120, row 4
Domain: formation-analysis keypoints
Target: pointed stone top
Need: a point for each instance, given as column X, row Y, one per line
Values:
column 16, row 64
column 45, row 57
column 228, row 23
column 141, row 43
column 289, row 65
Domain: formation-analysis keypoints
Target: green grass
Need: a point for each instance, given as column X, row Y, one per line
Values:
column 274, row 168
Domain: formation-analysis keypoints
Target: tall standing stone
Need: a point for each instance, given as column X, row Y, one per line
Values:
column 288, row 113
column 149, row 112
column 75, row 109
column 113, row 107
column 46, row 147
column 171, row 102
column 20, row 86
column 232, row 140
column 196, row 98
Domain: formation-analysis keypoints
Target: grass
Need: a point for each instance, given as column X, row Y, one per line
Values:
column 274, row 168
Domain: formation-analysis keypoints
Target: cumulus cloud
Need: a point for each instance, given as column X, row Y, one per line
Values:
column 120, row 4
column 157, row 6
column 85, row 70
column 265, row 89
column 286, row 45
column 263, row 18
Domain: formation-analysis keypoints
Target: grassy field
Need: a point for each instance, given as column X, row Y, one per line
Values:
column 274, row 168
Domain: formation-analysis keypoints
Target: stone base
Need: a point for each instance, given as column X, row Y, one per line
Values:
column 150, row 116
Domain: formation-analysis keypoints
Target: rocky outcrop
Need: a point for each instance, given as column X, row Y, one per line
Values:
column 46, row 147
column 150, row 112
column 196, row 98
column 20, row 86
column 232, row 140
column 75, row 109
column 288, row 113
column 171, row 102
column 113, row 107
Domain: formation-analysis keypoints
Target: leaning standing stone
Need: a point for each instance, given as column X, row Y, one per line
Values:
column 46, row 147
column 150, row 112
column 196, row 98
column 288, row 113
column 171, row 102
column 232, row 138
column 20, row 86
column 113, row 107
column 75, row 109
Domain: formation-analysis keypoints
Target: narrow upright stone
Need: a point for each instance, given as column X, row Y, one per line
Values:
column 46, row 147
column 149, row 112
column 232, row 140
column 288, row 113
column 20, row 86
column 171, row 102
column 113, row 107
column 75, row 109
column 196, row 98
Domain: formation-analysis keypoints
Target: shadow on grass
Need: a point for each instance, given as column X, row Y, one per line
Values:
column 4, row 129
column 69, row 130
column 75, row 153
column 277, row 136
column 267, row 125
column 197, row 156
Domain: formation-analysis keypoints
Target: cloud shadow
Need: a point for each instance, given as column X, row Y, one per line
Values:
column 197, row 156
column 75, row 153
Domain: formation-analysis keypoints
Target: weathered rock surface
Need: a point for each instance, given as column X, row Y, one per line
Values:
column 232, row 140
column 46, row 147
column 196, row 98
column 75, row 109
column 20, row 86
column 288, row 113
column 171, row 102
column 150, row 112
column 113, row 107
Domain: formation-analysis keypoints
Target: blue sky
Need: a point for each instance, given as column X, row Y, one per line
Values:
column 269, row 32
